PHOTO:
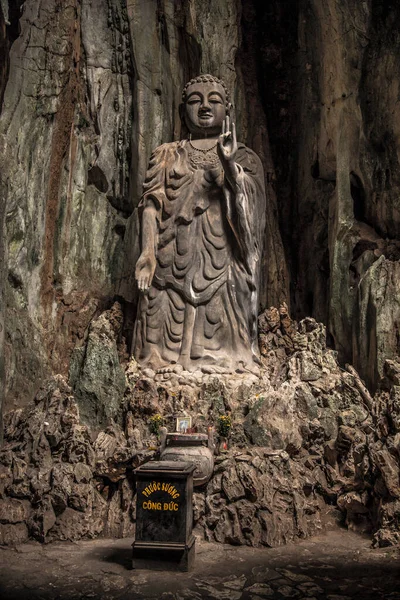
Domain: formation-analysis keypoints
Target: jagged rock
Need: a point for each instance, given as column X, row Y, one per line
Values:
column 318, row 440
column 248, row 477
column 119, row 521
column 113, row 453
column 42, row 520
column 214, row 486
column 146, row 398
column 233, row 530
column 270, row 423
column 354, row 505
column 13, row 534
column 14, row 511
column 79, row 497
column 391, row 369
column 384, row 538
column 269, row 320
column 247, row 515
column 389, row 519
column 309, row 370
column 49, row 482
column 199, row 507
column 393, row 408
column 96, row 375
column 389, row 469
column 328, row 456
column 259, row 491
column 73, row 525
column 82, row 473
column 223, row 528
column 214, row 508
column 231, row 485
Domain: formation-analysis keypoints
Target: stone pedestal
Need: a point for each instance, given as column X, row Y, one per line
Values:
column 164, row 517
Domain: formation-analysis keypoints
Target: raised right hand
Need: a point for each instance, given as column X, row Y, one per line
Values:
column 144, row 272
column 227, row 143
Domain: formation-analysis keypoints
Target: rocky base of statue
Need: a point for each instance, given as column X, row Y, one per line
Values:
column 308, row 444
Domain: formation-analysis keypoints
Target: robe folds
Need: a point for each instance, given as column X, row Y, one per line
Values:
column 201, row 308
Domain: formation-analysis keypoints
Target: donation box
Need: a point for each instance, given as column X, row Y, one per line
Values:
column 164, row 516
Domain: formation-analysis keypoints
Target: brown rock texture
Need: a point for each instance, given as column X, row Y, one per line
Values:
column 91, row 91
column 308, row 443
column 87, row 91
column 56, row 482
column 348, row 177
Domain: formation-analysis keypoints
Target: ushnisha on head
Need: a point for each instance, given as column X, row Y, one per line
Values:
column 206, row 104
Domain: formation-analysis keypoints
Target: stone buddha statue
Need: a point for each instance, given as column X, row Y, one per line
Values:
column 202, row 218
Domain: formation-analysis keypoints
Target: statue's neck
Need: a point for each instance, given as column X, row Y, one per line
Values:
column 204, row 143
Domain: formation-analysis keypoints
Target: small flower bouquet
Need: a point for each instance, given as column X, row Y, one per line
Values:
column 224, row 425
column 155, row 423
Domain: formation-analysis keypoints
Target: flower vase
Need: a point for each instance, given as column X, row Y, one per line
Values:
column 223, row 445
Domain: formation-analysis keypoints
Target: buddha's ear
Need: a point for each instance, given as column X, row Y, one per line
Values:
column 184, row 129
column 182, row 112
column 229, row 109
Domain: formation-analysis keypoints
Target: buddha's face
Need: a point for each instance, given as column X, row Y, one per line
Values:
column 205, row 108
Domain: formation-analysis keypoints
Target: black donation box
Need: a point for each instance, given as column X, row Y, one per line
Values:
column 164, row 516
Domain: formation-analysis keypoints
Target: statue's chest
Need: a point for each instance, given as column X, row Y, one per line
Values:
column 193, row 193
column 203, row 160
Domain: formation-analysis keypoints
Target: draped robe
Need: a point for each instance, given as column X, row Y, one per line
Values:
column 201, row 308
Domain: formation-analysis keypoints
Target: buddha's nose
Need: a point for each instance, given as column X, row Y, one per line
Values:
column 205, row 105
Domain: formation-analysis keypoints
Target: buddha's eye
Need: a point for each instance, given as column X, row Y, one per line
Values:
column 194, row 100
column 215, row 99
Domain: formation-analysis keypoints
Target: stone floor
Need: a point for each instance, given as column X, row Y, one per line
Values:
column 338, row 566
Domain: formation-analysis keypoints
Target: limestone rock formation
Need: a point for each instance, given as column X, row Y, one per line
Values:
column 90, row 92
column 308, row 443
column 56, row 483
column 87, row 90
column 96, row 375
column 348, row 172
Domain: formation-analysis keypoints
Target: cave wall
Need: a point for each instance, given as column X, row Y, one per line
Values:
column 3, row 268
column 92, row 88
column 348, row 177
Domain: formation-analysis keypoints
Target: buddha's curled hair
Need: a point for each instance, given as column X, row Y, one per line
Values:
column 206, row 78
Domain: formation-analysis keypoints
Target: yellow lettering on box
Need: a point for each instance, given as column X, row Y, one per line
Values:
column 152, row 505
column 156, row 486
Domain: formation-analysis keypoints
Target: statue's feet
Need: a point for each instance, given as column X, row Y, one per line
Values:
column 250, row 369
column 215, row 370
column 176, row 374
column 177, row 369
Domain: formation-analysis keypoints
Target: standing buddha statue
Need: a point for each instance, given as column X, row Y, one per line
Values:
column 202, row 218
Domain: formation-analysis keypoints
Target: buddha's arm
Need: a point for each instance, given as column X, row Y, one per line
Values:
column 245, row 202
column 227, row 150
column 232, row 174
column 235, row 201
column 149, row 229
column 235, row 179
column 146, row 263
